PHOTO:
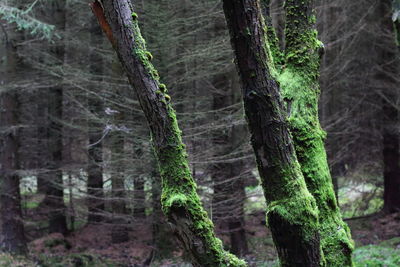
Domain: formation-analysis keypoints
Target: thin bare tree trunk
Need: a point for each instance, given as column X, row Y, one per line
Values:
column 388, row 74
column 12, row 236
column 95, row 199
column 54, row 199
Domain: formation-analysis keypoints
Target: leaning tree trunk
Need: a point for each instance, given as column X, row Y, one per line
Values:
column 180, row 201
column 292, row 213
column 12, row 237
column 388, row 73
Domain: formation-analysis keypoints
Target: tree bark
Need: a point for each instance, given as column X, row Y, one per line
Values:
column 388, row 69
column 54, row 199
column 12, row 236
column 229, row 194
column 162, row 237
column 292, row 213
column 119, row 231
column 180, row 201
column 140, row 198
column 95, row 198
column 300, row 90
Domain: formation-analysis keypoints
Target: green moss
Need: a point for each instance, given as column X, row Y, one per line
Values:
column 163, row 87
column 134, row 16
column 140, row 51
column 300, row 90
column 179, row 196
column 149, row 56
column 180, row 201
column 298, row 210
column 272, row 49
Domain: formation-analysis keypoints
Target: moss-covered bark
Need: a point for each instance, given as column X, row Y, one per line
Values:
column 180, row 202
column 292, row 212
column 300, row 89
column 277, row 55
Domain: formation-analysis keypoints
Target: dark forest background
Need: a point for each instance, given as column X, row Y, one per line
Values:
column 89, row 182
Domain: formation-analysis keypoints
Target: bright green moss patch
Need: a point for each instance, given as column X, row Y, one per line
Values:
column 175, row 200
column 140, row 51
column 181, row 203
column 300, row 91
column 298, row 211
column 149, row 56
column 163, row 87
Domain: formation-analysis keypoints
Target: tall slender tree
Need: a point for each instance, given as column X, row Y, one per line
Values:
column 229, row 192
column 95, row 200
column 120, row 231
column 388, row 72
column 55, row 191
column 12, row 236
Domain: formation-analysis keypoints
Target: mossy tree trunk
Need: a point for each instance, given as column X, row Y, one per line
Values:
column 12, row 236
column 180, row 201
column 162, row 238
column 300, row 90
column 292, row 213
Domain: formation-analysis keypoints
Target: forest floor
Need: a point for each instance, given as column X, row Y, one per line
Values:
column 377, row 239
